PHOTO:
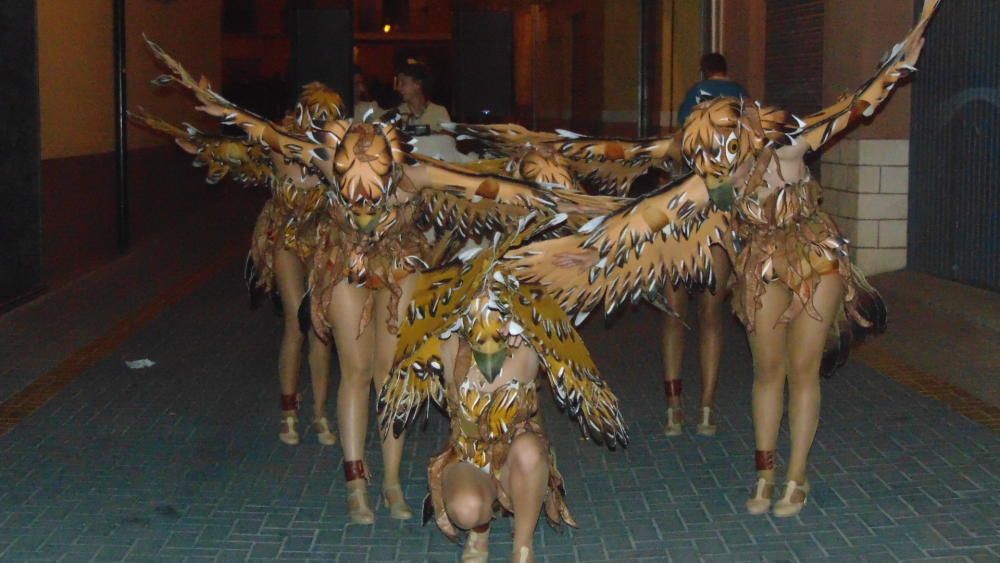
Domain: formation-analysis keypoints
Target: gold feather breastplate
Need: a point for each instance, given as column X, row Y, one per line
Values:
column 482, row 419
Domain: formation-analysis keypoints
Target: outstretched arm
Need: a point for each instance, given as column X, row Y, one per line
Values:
column 660, row 238
column 222, row 155
column 817, row 129
column 314, row 150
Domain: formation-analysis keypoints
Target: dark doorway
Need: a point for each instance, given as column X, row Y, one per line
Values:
column 954, row 215
column 322, row 47
column 20, row 231
column 485, row 49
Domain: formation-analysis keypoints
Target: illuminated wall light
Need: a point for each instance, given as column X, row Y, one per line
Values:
column 387, row 28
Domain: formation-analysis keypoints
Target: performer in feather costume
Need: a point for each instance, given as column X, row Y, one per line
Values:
column 380, row 199
column 611, row 165
column 473, row 340
column 793, row 276
column 283, row 242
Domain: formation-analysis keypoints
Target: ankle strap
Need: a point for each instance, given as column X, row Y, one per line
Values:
column 764, row 459
column 290, row 402
column 354, row 470
column 672, row 387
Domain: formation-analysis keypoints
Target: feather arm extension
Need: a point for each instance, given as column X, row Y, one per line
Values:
column 222, row 155
column 478, row 204
column 663, row 237
column 315, row 149
column 817, row 129
column 576, row 383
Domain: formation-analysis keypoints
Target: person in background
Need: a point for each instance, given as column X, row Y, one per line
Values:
column 710, row 304
column 413, row 82
column 715, row 84
column 363, row 101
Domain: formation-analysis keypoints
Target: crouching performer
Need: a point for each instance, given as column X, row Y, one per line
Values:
column 474, row 340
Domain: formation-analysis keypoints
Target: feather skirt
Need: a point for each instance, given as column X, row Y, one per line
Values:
column 788, row 240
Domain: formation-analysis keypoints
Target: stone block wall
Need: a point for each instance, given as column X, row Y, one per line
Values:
column 865, row 185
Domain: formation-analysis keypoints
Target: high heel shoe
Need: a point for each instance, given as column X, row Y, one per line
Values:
column 398, row 509
column 288, row 434
column 675, row 420
column 290, row 405
column 786, row 507
column 359, row 506
column 707, row 426
column 760, row 502
column 324, row 435
column 471, row 553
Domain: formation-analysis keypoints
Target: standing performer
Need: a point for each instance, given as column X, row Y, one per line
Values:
column 716, row 84
column 473, row 340
column 284, row 239
column 793, row 275
column 371, row 242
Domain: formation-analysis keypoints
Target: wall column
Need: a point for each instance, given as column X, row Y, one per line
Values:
column 865, row 174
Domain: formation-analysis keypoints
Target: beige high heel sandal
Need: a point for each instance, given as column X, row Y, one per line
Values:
column 359, row 507
column 324, row 435
column 472, row 554
column 288, row 434
column 706, row 427
column 786, row 507
column 760, row 503
column 675, row 421
column 398, row 510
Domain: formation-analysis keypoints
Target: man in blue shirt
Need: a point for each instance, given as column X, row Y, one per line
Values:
column 715, row 85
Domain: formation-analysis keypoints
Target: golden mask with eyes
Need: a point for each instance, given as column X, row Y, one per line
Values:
column 366, row 166
column 721, row 134
column 487, row 327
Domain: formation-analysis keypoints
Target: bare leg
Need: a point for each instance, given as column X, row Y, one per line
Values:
column 319, row 368
column 806, row 339
column 468, row 497
column 767, row 342
column 355, row 352
column 711, row 318
column 385, row 350
column 290, row 279
column 525, row 477
column 674, row 333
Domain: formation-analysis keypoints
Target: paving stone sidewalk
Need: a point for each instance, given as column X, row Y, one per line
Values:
column 181, row 462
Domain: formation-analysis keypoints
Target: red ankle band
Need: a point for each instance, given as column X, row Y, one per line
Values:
column 764, row 459
column 354, row 470
column 672, row 387
column 290, row 402
column 482, row 529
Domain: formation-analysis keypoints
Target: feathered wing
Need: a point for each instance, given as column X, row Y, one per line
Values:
column 500, row 140
column 817, row 129
column 439, row 299
column 605, row 165
column 418, row 365
column 577, row 386
column 611, row 177
column 660, row 238
column 314, row 149
column 222, row 155
column 476, row 204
